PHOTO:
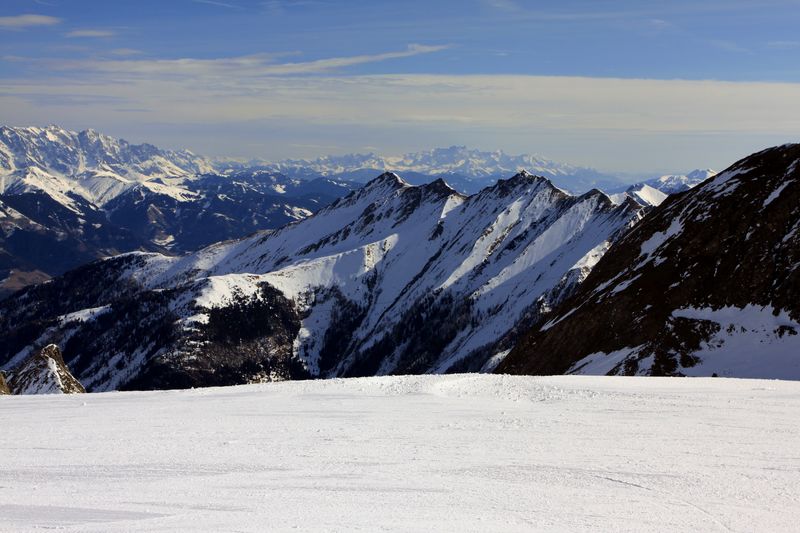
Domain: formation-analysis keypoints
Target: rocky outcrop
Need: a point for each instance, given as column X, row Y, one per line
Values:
column 44, row 372
column 4, row 385
column 708, row 283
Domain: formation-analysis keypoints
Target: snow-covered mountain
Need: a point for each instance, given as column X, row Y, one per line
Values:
column 708, row 283
column 88, row 164
column 393, row 278
column 467, row 170
column 67, row 198
column 675, row 183
column 654, row 191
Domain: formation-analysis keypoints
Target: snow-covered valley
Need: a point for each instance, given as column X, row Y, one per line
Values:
column 436, row 453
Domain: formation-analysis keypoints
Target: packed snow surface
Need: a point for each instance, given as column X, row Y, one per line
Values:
column 425, row 453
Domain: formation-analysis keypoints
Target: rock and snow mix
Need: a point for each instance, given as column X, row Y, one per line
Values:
column 390, row 279
column 435, row 453
column 706, row 284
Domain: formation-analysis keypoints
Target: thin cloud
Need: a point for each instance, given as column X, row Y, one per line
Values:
column 610, row 121
column 783, row 45
column 250, row 66
column 21, row 22
column 90, row 33
column 729, row 46
column 503, row 5
column 217, row 4
column 279, row 7
column 647, row 10
column 123, row 52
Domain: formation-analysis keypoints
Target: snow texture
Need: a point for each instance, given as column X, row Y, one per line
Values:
column 426, row 453
column 752, row 341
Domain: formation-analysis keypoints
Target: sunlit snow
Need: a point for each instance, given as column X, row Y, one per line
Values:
column 428, row 453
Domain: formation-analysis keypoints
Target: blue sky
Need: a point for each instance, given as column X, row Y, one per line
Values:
column 621, row 85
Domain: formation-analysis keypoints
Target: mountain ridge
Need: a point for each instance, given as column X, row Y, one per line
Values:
column 392, row 278
column 706, row 284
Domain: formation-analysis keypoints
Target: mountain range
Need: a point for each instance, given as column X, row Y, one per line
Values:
column 466, row 170
column 392, row 278
column 707, row 284
column 67, row 198
column 681, row 275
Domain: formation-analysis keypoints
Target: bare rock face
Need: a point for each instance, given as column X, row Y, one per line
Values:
column 3, row 385
column 44, row 373
column 708, row 283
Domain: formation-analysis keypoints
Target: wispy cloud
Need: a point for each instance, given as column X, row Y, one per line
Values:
column 123, row 52
column 608, row 121
column 279, row 7
column 90, row 33
column 503, row 5
column 21, row 22
column 729, row 46
column 217, row 4
column 593, row 11
column 251, row 66
column 783, row 45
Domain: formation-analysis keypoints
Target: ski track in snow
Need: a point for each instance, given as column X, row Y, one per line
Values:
column 435, row 453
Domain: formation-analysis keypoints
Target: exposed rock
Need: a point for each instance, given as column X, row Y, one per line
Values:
column 44, row 373
column 3, row 384
column 708, row 282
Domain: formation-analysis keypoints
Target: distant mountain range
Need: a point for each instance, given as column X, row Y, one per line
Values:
column 67, row 198
column 466, row 170
column 681, row 275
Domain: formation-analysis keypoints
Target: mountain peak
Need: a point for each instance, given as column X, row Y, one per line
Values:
column 387, row 178
column 701, row 173
column 439, row 186
column 44, row 372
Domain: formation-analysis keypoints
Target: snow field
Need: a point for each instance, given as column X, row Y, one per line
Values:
column 422, row 453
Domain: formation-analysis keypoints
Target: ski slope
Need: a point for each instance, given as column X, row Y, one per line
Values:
column 423, row 453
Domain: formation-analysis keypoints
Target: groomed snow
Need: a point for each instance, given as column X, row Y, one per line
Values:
column 431, row 453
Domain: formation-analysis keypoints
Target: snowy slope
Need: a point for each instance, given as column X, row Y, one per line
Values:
column 392, row 278
column 708, row 283
column 432, row 453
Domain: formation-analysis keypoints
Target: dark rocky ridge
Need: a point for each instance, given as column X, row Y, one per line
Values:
column 732, row 241
column 44, row 372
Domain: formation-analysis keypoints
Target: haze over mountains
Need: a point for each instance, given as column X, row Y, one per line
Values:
column 67, row 198
column 289, row 270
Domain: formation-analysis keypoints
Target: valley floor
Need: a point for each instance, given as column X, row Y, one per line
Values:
column 436, row 453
